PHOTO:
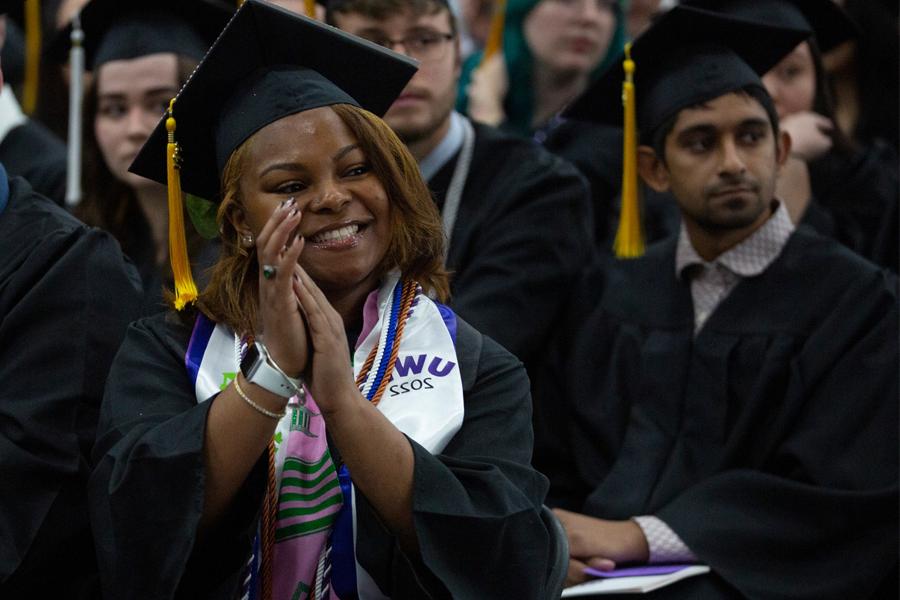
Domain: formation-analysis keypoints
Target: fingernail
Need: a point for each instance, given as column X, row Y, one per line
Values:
column 290, row 201
column 294, row 212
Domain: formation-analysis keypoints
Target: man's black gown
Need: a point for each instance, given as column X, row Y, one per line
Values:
column 475, row 505
column 768, row 443
column 66, row 298
column 596, row 150
column 32, row 151
column 860, row 198
column 521, row 239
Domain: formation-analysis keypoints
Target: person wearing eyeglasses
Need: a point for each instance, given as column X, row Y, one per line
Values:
column 517, row 217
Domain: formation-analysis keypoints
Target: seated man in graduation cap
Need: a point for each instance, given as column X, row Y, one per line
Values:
column 517, row 218
column 842, row 188
column 729, row 397
column 66, row 297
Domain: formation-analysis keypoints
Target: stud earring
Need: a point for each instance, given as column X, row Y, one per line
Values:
column 247, row 240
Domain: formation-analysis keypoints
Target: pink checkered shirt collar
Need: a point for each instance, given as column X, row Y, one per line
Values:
column 750, row 257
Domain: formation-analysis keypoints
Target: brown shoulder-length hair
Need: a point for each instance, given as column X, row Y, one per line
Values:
column 417, row 239
column 109, row 203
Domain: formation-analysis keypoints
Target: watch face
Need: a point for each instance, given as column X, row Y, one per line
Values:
column 249, row 362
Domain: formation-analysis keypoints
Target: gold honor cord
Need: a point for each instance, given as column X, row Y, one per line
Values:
column 185, row 288
column 32, row 55
column 629, row 242
column 310, row 6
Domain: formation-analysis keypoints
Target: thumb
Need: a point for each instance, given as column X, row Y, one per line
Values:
column 601, row 564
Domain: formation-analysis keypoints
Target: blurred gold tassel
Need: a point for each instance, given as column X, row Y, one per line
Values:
column 629, row 242
column 185, row 288
column 32, row 56
column 494, row 43
column 310, row 6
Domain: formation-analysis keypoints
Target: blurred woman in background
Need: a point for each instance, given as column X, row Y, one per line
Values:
column 551, row 49
column 140, row 55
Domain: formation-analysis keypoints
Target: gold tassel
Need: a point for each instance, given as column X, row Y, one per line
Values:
column 494, row 43
column 32, row 56
column 310, row 6
column 185, row 288
column 629, row 242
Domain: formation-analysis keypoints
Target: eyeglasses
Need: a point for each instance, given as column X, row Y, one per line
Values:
column 423, row 46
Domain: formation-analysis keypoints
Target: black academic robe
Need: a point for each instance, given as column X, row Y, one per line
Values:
column 476, row 505
column 768, row 443
column 596, row 150
column 66, row 298
column 156, row 279
column 860, row 198
column 521, row 239
column 32, row 151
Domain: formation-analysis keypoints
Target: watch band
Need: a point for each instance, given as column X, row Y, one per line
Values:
column 267, row 375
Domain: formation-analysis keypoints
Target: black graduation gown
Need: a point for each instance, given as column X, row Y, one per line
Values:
column 860, row 199
column 521, row 239
column 596, row 150
column 66, row 297
column 32, row 151
column 141, row 248
column 769, row 443
column 476, row 505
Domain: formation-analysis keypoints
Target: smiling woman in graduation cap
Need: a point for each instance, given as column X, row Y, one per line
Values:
column 312, row 424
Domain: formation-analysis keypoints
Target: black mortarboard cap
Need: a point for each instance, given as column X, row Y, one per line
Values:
column 268, row 63
column 123, row 30
column 13, row 9
column 687, row 57
column 822, row 18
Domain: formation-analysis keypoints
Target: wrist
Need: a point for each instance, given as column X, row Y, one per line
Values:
column 260, row 369
column 260, row 399
column 341, row 403
column 637, row 548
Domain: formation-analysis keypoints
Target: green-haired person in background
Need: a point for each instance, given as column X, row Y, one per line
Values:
column 551, row 51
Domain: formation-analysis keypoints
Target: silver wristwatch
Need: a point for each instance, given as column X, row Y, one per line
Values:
column 258, row 368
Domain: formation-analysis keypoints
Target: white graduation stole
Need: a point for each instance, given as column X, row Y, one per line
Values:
column 424, row 398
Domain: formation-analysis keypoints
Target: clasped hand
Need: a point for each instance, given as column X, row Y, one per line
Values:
column 304, row 334
column 600, row 544
column 810, row 134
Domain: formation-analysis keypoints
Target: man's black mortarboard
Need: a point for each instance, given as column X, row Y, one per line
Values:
column 120, row 30
column 687, row 57
column 822, row 18
column 267, row 64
